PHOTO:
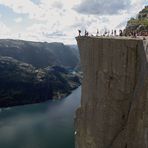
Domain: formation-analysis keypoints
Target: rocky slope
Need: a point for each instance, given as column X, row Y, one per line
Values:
column 114, row 105
column 40, row 54
column 21, row 83
column 140, row 23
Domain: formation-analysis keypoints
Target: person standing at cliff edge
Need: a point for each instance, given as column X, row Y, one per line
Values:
column 97, row 34
column 79, row 31
column 86, row 33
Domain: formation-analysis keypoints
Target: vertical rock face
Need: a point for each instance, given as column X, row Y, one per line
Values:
column 114, row 105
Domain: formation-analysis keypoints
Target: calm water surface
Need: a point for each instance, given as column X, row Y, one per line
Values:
column 44, row 125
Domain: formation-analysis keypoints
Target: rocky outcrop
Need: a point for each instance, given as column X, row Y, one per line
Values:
column 21, row 83
column 114, row 105
column 138, row 24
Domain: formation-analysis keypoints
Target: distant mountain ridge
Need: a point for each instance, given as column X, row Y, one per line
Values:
column 40, row 54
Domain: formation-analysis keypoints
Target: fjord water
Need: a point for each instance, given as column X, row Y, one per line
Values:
column 44, row 125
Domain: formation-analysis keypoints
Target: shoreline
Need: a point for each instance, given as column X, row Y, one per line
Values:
column 38, row 102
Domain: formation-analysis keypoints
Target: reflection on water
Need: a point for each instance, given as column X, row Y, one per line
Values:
column 44, row 125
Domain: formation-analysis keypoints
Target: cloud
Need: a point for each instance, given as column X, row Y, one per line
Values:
column 55, row 20
column 5, row 31
column 55, row 34
column 43, row 20
column 137, row 5
column 41, row 32
column 121, row 25
column 21, row 6
column 58, row 4
column 18, row 20
column 102, row 7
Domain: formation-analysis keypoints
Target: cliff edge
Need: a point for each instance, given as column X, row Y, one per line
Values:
column 113, row 112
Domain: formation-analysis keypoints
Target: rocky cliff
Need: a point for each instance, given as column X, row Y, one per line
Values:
column 138, row 24
column 114, row 105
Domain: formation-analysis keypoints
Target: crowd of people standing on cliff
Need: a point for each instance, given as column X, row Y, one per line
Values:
column 114, row 33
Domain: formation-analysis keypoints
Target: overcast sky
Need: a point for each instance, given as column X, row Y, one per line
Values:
column 59, row 20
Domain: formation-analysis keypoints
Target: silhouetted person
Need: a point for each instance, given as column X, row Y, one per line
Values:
column 97, row 34
column 86, row 33
column 112, row 33
column 79, row 31
column 115, row 32
column 134, row 34
column 108, row 33
column 120, row 33
column 105, row 33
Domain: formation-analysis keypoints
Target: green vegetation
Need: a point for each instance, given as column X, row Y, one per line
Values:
column 145, row 10
column 140, row 23
column 133, row 21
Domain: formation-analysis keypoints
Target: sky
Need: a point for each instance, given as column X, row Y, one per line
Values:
column 59, row 20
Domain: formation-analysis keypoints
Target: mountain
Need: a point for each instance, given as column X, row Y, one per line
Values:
column 22, row 83
column 40, row 54
column 32, row 72
column 140, row 23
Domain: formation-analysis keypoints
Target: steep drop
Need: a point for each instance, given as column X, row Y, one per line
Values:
column 113, row 112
